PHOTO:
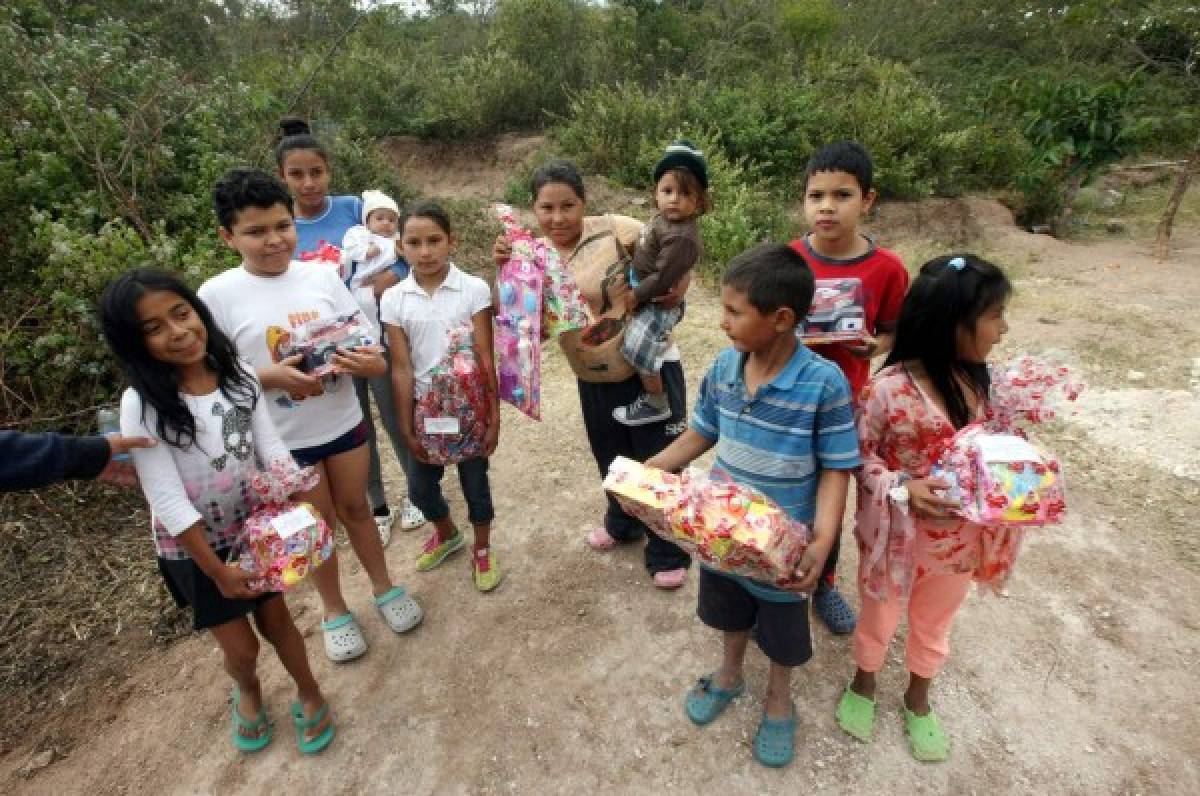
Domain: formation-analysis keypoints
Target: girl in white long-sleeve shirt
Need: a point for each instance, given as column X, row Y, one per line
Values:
column 206, row 410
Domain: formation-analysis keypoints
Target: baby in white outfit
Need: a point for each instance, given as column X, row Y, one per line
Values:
column 369, row 248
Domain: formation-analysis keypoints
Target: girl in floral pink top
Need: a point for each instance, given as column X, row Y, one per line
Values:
column 913, row 553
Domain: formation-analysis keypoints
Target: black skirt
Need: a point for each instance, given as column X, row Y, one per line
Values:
column 188, row 584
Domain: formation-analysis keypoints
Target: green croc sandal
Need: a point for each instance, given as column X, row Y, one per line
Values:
column 856, row 715
column 775, row 741
column 303, row 725
column 260, row 728
column 926, row 738
column 704, row 702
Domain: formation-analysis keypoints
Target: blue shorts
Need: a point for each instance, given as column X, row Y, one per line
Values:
column 307, row 457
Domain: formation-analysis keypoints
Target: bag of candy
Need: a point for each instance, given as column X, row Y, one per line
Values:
column 282, row 540
column 450, row 414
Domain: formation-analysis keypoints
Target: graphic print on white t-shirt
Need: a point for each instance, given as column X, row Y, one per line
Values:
column 262, row 316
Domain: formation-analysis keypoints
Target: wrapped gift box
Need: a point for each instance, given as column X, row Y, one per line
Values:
column 837, row 313
column 1002, row 479
column 645, row 493
column 730, row 527
column 320, row 339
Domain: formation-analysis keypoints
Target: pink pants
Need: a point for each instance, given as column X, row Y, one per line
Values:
column 934, row 601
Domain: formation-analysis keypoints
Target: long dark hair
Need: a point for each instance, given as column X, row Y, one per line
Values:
column 157, row 383
column 949, row 293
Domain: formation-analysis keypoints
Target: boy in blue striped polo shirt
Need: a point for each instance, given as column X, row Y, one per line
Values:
column 782, row 421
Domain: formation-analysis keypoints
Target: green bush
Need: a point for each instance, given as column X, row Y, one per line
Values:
column 610, row 129
column 109, row 157
column 772, row 125
column 809, row 21
column 744, row 214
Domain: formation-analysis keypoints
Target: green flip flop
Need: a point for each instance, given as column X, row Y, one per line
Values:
column 856, row 715
column 260, row 727
column 303, row 725
column 926, row 738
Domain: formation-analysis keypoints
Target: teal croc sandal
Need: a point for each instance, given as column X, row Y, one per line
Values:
column 704, row 702
column 926, row 739
column 775, row 741
column 303, row 725
column 856, row 715
column 249, row 736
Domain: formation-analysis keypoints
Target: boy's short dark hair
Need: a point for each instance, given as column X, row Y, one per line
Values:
column 847, row 156
column 772, row 275
column 241, row 188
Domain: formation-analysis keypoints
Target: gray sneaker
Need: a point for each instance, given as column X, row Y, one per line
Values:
column 640, row 413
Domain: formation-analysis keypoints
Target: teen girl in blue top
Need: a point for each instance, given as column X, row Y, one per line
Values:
column 321, row 222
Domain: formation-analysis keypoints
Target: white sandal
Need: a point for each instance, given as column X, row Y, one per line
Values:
column 399, row 609
column 411, row 517
column 344, row 640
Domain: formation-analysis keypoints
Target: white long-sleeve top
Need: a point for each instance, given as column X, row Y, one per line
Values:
column 209, row 480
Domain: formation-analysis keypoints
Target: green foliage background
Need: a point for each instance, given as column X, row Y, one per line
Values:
column 118, row 115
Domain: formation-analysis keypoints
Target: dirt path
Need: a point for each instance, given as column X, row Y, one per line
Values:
column 568, row 679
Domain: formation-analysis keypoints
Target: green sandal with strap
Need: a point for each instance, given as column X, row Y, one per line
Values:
column 303, row 725
column 259, row 728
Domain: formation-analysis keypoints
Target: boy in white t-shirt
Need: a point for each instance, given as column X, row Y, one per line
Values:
column 261, row 305
column 418, row 315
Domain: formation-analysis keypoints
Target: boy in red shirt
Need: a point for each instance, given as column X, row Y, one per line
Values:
column 837, row 196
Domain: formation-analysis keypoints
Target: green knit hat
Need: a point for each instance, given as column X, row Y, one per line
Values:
column 683, row 154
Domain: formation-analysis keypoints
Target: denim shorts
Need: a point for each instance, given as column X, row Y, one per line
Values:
column 307, row 457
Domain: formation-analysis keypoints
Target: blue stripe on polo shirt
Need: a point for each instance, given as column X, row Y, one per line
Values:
column 778, row 442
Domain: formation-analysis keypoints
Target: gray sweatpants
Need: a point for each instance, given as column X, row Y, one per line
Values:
column 381, row 388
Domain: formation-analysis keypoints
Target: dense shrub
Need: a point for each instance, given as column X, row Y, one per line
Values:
column 109, row 154
column 113, row 131
column 772, row 126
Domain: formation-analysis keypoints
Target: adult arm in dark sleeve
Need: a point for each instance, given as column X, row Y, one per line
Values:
column 30, row 461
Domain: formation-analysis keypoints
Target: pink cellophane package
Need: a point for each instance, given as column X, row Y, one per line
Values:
column 450, row 415
column 563, row 308
column 518, row 337
column 329, row 255
column 730, row 527
column 837, row 314
column 1028, row 390
column 996, row 473
column 282, row 539
column 1002, row 479
column 537, row 299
